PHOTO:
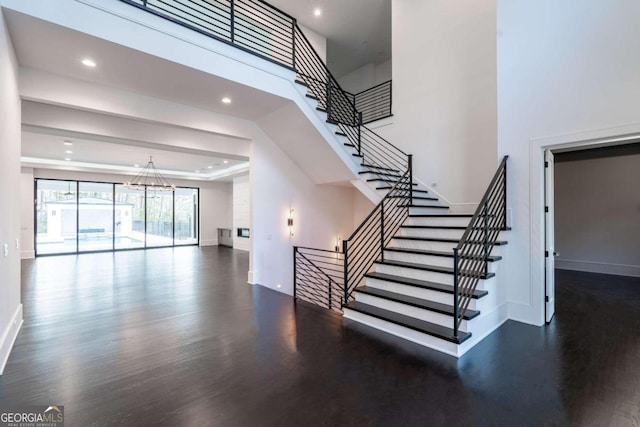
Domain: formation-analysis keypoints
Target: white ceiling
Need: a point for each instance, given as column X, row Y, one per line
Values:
column 358, row 32
column 123, row 157
column 55, row 49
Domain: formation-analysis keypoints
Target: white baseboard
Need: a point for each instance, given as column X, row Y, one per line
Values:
column 27, row 254
column 598, row 267
column 9, row 337
column 213, row 242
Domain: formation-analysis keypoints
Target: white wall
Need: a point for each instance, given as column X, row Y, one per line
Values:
column 10, row 306
column 215, row 200
column 241, row 212
column 597, row 215
column 366, row 77
column 564, row 69
column 318, row 42
column 444, row 93
column 26, row 213
column 322, row 213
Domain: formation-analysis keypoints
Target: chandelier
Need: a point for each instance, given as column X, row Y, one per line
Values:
column 149, row 176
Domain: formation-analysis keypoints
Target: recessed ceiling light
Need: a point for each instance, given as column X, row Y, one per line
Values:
column 226, row 161
column 88, row 63
column 136, row 165
column 67, row 142
column 69, row 152
column 197, row 171
column 67, row 158
column 226, row 100
column 209, row 167
column 317, row 11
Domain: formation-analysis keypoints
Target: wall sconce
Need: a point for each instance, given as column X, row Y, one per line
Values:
column 338, row 244
column 290, row 222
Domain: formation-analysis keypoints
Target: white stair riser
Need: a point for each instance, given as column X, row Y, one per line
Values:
column 487, row 302
column 421, row 244
column 430, row 276
column 374, row 174
column 412, row 291
column 433, row 246
column 426, row 210
column 409, row 310
column 427, row 259
column 413, row 273
column 425, row 203
column 439, row 233
column 438, row 221
column 402, row 332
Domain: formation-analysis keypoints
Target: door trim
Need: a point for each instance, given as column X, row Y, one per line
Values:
column 589, row 139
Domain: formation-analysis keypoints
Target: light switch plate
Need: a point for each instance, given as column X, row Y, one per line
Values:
column 6, row 249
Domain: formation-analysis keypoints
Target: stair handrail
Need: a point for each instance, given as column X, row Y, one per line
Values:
column 471, row 255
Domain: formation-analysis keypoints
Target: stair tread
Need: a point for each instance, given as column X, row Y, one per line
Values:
column 416, row 302
column 339, row 133
column 425, row 206
column 384, row 180
column 436, row 227
column 427, row 267
column 380, row 173
column 422, row 326
column 444, row 240
column 424, row 284
column 364, row 165
column 308, row 95
column 490, row 258
column 435, row 199
column 301, row 82
column 452, row 215
column 415, row 190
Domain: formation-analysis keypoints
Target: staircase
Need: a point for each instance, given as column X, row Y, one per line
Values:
column 411, row 269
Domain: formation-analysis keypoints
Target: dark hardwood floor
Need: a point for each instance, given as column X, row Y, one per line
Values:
column 177, row 337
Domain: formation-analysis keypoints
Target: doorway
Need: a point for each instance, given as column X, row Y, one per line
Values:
column 591, row 213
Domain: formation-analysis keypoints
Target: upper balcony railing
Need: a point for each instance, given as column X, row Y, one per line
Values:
column 251, row 25
column 374, row 103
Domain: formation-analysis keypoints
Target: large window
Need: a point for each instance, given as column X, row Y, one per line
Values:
column 78, row 216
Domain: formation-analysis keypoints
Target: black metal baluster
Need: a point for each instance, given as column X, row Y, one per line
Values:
column 456, row 284
column 485, row 237
column 295, row 273
column 346, row 272
column 232, row 16
column 328, row 97
column 294, row 24
column 382, row 230
column 504, row 196
column 329, row 293
column 410, row 179
column 360, row 134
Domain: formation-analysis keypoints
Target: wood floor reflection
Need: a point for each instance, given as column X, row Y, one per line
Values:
column 177, row 337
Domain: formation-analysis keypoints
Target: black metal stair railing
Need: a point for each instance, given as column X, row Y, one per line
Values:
column 366, row 244
column 251, row 25
column 264, row 30
column 374, row 103
column 318, row 277
column 312, row 70
column 376, row 152
column 470, row 257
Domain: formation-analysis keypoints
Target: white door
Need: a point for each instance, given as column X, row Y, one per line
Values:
column 549, row 246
